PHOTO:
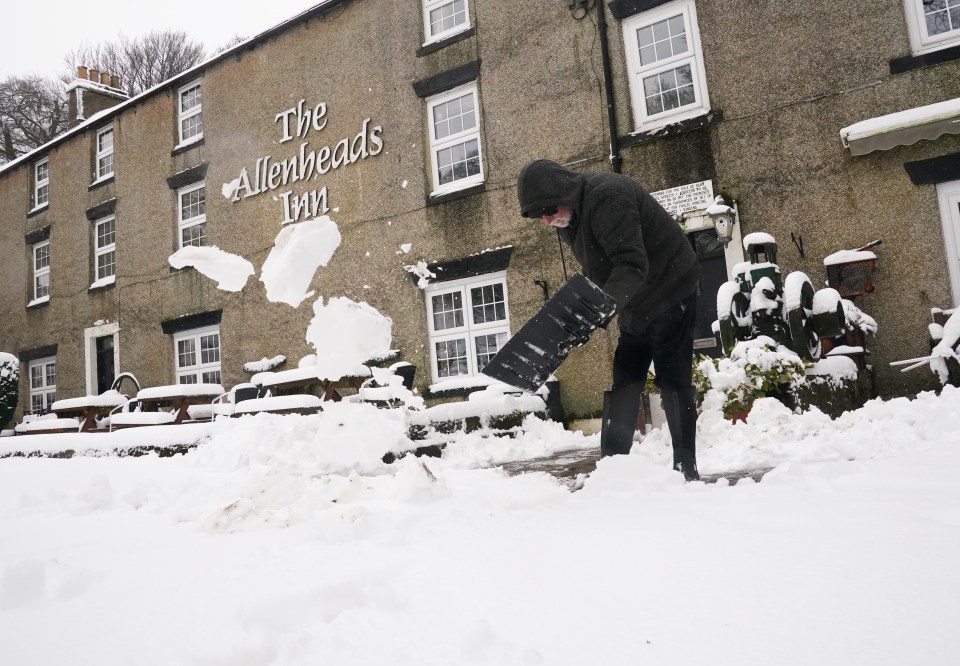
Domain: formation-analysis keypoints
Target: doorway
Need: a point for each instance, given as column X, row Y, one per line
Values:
column 106, row 372
column 713, row 273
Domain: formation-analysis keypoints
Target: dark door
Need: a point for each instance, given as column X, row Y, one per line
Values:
column 105, row 369
column 713, row 273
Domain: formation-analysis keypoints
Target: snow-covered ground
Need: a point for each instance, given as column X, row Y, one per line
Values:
column 284, row 540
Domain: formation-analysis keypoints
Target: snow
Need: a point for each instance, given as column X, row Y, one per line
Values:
column 103, row 282
column 109, row 398
column 179, row 390
column 345, row 334
column 229, row 270
column 835, row 366
column 141, row 419
column 298, row 251
column 277, row 403
column 793, row 290
column 285, row 540
column 756, row 238
column 826, row 300
column 946, row 348
column 38, row 301
column 901, row 119
column 759, row 301
column 264, row 364
column 848, row 257
column 41, row 425
column 421, row 271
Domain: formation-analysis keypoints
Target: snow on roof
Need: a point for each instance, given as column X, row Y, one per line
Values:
column 848, row 257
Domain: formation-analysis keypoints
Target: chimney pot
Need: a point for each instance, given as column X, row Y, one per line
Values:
column 114, row 81
column 81, row 72
column 105, row 78
column 94, row 74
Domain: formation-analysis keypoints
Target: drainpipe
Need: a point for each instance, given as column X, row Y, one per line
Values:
column 615, row 159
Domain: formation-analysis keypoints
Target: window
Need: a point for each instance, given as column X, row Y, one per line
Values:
column 192, row 216
column 665, row 64
column 197, row 356
column 104, row 153
column 43, row 384
column 190, row 119
column 41, row 271
column 105, row 248
column 443, row 18
column 41, row 184
column 468, row 323
column 949, row 196
column 455, row 139
column 934, row 24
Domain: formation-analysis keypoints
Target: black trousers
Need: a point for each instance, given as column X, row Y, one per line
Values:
column 667, row 341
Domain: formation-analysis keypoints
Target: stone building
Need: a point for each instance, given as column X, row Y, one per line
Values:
column 408, row 122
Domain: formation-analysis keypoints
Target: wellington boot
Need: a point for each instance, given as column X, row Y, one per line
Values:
column 680, row 408
column 620, row 409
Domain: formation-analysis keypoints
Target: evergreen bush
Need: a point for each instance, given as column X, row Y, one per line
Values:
column 9, row 387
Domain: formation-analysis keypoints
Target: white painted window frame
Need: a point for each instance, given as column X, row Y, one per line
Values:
column 104, row 170
column 431, row 5
column 948, row 195
column 436, row 145
column 38, row 272
column 470, row 330
column 186, row 114
column 184, row 223
column 197, row 369
column 644, row 122
column 99, row 251
column 46, row 392
column 41, row 184
column 90, row 336
column 920, row 40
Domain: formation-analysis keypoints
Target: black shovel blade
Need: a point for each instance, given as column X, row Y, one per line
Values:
column 565, row 321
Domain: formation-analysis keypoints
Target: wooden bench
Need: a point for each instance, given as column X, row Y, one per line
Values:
column 47, row 426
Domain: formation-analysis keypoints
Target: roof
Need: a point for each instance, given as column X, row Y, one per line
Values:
column 903, row 128
column 320, row 8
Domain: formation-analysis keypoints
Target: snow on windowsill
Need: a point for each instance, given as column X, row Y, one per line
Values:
column 102, row 179
column 37, row 209
column 39, row 301
column 447, row 35
column 102, row 282
column 189, row 142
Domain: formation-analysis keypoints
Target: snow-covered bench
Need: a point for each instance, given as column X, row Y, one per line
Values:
column 47, row 426
column 303, row 403
column 153, row 405
column 87, row 409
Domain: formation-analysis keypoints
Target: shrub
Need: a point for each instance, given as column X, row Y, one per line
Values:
column 755, row 369
column 9, row 386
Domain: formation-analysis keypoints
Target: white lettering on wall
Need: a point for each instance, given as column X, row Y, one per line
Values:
column 684, row 198
column 268, row 173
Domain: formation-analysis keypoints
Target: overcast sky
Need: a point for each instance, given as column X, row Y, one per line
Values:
column 37, row 35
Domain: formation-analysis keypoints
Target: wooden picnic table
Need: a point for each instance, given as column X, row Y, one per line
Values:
column 87, row 409
column 177, row 397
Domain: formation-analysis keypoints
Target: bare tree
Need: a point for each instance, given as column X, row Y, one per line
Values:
column 141, row 62
column 33, row 110
column 233, row 41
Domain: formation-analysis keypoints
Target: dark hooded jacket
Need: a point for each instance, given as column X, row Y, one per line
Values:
column 624, row 240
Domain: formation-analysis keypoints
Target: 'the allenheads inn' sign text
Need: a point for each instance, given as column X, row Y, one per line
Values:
column 270, row 174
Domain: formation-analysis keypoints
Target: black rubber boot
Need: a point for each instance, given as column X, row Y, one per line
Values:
column 620, row 409
column 681, row 410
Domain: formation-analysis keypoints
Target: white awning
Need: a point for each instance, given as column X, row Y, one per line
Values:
column 903, row 128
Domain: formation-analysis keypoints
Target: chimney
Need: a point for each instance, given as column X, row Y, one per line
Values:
column 92, row 92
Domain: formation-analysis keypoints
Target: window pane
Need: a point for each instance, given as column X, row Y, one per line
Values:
column 454, row 116
column 106, row 263
column 190, row 98
column 459, row 162
column 105, row 141
column 188, row 379
column 447, row 311
column 488, row 303
column 452, row 358
column 186, row 353
column 193, row 235
column 51, row 374
column 36, row 403
column 105, row 166
column 662, row 40
column 42, row 284
column 210, row 348
column 212, row 377
column 36, row 376
column 448, row 16
column 43, row 195
column 193, row 203
column 487, row 347
column 106, row 233
column 191, row 126
column 42, row 256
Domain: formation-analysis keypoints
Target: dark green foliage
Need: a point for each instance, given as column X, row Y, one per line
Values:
column 9, row 387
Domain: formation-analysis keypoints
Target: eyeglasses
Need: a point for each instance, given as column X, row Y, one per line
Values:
column 544, row 212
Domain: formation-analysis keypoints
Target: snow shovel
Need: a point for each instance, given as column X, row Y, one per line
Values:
column 541, row 345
